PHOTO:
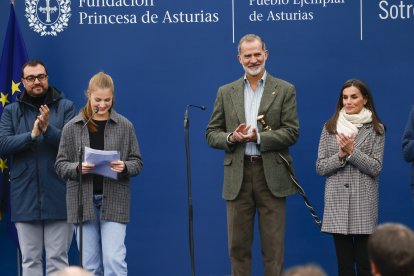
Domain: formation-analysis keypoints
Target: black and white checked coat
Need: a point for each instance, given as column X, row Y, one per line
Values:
column 351, row 189
column 120, row 136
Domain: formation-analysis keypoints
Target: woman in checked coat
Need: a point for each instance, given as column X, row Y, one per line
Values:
column 106, row 201
column 350, row 156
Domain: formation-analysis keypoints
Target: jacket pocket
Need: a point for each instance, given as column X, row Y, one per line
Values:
column 18, row 171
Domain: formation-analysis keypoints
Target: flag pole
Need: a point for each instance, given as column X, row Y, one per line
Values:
column 18, row 249
column 13, row 56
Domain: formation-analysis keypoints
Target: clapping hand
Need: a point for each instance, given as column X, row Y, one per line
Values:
column 242, row 135
column 346, row 144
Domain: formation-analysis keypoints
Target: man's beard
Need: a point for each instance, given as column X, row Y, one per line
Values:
column 255, row 72
column 37, row 94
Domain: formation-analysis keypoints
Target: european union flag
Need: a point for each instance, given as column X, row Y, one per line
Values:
column 13, row 57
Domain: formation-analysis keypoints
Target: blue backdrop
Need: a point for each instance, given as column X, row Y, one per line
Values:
column 165, row 54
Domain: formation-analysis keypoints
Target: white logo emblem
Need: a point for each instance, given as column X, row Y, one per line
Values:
column 48, row 17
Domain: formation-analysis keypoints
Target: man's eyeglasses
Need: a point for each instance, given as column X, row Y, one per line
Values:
column 40, row 77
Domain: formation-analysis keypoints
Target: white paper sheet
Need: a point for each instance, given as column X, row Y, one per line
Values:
column 102, row 160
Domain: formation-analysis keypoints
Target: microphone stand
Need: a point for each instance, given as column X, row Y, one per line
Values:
column 80, row 195
column 190, row 199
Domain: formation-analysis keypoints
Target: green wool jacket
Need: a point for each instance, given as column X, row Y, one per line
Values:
column 278, row 105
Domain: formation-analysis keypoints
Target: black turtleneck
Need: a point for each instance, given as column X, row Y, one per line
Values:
column 97, row 141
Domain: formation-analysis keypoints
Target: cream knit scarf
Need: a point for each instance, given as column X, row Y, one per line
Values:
column 349, row 124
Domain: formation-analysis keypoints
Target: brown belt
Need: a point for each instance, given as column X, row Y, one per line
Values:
column 253, row 158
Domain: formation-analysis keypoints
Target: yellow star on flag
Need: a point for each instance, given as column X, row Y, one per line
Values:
column 3, row 99
column 3, row 165
column 15, row 87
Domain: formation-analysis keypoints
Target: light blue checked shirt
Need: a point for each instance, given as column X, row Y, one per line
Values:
column 251, row 109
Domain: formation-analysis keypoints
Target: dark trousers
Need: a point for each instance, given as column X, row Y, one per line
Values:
column 351, row 252
column 254, row 195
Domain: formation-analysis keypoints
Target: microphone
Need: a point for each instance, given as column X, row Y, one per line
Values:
column 93, row 114
column 202, row 107
column 186, row 121
column 186, row 117
column 189, row 197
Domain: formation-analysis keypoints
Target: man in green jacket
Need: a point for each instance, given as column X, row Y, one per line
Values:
column 254, row 174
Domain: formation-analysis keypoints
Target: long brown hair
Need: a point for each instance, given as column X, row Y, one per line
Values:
column 379, row 128
column 98, row 81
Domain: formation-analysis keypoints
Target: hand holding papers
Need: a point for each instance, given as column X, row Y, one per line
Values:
column 102, row 161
